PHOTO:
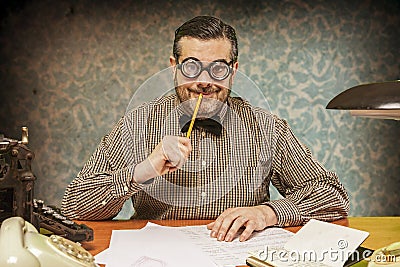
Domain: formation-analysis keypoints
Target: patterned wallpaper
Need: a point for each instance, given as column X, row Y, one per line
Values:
column 69, row 68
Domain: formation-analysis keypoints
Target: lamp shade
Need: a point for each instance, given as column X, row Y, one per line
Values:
column 375, row 100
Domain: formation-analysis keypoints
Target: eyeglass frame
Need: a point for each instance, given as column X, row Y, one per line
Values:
column 207, row 68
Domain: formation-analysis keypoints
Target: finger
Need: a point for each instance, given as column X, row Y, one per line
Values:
column 185, row 148
column 236, row 225
column 223, row 223
column 210, row 225
column 180, row 157
column 216, row 226
column 169, row 164
column 176, row 150
column 172, row 157
column 175, row 162
column 184, row 140
column 184, row 152
column 250, row 227
column 170, row 167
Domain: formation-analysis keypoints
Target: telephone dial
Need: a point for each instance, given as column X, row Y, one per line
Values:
column 22, row 246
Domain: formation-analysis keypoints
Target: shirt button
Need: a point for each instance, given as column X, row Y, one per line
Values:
column 103, row 202
column 203, row 194
column 203, row 134
column 203, row 163
column 126, row 188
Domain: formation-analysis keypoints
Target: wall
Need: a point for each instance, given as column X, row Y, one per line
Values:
column 69, row 68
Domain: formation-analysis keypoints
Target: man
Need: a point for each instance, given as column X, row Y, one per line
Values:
column 222, row 171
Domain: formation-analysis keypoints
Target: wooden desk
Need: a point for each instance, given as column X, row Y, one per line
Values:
column 383, row 230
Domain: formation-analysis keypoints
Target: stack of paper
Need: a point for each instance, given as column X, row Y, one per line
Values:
column 156, row 245
column 317, row 243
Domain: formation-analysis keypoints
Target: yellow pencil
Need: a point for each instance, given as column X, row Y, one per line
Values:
column 194, row 116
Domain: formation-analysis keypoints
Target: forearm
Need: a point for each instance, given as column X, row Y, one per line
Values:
column 100, row 196
column 323, row 200
column 309, row 189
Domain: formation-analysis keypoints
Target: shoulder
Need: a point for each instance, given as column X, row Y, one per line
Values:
column 241, row 105
column 160, row 103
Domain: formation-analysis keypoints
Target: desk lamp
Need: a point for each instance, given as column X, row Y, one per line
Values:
column 373, row 100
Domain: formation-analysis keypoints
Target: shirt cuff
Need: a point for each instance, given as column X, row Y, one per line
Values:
column 286, row 212
column 123, row 184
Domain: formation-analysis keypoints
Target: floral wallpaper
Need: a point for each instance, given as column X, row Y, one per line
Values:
column 68, row 70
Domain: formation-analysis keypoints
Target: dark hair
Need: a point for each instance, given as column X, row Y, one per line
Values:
column 206, row 28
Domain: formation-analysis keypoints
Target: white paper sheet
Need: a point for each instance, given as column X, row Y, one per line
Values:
column 235, row 253
column 319, row 244
column 102, row 257
column 156, row 245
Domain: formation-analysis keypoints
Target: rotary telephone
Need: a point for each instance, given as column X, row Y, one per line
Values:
column 22, row 246
column 388, row 256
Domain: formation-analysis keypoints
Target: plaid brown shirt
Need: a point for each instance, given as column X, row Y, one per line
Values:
column 234, row 169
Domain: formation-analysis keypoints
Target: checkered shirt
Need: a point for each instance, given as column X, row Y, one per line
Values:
column 235, row 169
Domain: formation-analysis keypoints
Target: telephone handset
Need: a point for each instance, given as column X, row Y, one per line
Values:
column 388, row 256
column 22, row 246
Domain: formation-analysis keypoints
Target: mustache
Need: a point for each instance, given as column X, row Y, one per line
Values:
column 205, row 90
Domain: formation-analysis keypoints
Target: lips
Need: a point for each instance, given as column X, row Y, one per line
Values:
column 204, row 92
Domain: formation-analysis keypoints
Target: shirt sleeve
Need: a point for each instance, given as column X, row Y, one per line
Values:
column 310, row 191
column 104, row 183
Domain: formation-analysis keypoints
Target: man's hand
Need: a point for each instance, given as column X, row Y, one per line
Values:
column 168, row 156
column 227, row 225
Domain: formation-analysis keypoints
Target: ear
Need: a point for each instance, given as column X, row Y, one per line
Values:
column 235, row 68
column 172, row 61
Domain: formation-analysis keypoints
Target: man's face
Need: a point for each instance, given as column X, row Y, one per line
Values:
column 215, row 92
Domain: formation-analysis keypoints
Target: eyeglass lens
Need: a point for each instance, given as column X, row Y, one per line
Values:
column 218, row 70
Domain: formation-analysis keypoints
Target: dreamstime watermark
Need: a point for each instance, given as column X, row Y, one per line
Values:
column 383, row 258
column 338, row 254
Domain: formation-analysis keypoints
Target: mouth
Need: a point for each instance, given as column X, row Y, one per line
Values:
column 205, row 93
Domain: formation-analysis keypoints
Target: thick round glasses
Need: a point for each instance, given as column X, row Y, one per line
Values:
column 218, row 70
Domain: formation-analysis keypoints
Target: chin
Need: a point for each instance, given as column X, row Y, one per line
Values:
column 209, row 107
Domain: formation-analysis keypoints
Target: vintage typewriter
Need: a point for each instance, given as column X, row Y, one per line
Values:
column 17, row 193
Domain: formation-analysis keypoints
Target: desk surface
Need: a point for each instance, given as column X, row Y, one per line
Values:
column 383, row 230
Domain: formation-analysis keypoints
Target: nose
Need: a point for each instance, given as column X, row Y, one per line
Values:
column 204, row 79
